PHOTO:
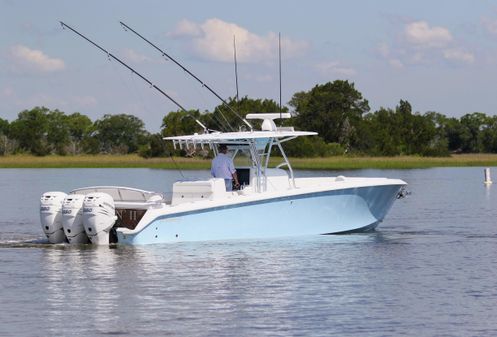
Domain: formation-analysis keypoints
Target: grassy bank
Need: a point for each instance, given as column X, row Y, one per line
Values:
column 98, row 161
column 401, row 162
column 330, row 163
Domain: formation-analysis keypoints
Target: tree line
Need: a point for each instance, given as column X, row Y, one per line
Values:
column 336, row 110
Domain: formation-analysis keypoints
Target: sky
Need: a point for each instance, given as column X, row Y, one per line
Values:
column 440, row 55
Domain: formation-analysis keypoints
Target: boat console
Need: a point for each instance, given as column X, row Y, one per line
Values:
column 196, row 190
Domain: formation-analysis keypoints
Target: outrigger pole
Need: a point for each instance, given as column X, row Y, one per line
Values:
column 110, row 55
column 236, row 66
column 164, row 54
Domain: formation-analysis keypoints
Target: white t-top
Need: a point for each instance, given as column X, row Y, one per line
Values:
column 222, row 167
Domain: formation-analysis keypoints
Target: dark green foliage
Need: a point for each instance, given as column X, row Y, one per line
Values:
column 40, row 131
column 381, row 135
column 30, row 130
column 336, row 110
column 333, row 109
column 401, row 132
column 90, row 145
column 487, row 137
column 4, row 141
column 311, row 147
column 155, row 147
column 4, row 127
column 472, row 125
column 80, row 131
column 177, row 123
column 222, row 117
column 58, row 132
column 120, row 134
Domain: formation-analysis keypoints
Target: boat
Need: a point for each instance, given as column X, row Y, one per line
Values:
column 271, row 202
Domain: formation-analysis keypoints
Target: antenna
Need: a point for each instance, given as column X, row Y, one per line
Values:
column 279, row 58
column 236, row 67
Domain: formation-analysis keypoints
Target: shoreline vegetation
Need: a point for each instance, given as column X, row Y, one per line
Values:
column 326, row 163
column 340, row 115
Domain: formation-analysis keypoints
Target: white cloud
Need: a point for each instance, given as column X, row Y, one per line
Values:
column 490, row 25
column 459, row 55
column 186, row 28
column 420, row 34
column 335, row 68
column 133, row 56
column 422, row 44
column 84, row 101
column 396, row 63
column 418, row 58
column 7, row 92
column 384, row 50
column 26, row 59
column 213, row 40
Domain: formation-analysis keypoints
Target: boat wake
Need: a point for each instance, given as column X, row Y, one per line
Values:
column 23, row 243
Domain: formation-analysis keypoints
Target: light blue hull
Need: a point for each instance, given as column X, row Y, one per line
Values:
column 327, row 212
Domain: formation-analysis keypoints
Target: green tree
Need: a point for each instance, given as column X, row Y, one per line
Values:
column 311, row 147
column 178, row 123
column 4, row 140
column 487, row 137
column 472, row 124
column 58, row 133
column 4, row 126
column 417, row 131
column 384, row 136
column 456, row 134
column 439, row 145
column 120, row 133
column 91, row 144
column 334, row 110
column 224, row 119
column 155, row 147
column 395, row 132
column 80, row 129
column 30, row 129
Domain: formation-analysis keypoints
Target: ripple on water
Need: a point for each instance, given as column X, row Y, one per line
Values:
column 428, row 270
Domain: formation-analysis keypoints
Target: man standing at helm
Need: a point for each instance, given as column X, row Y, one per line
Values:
column 223, row 167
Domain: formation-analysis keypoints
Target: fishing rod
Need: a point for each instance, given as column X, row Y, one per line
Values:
column 110, row 55
column 236, row 72
column 236, row 66
column 167, row 56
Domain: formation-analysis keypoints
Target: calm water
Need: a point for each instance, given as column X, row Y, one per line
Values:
column 430, row 269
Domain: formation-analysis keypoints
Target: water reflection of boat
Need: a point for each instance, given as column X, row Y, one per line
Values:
column 270, row 203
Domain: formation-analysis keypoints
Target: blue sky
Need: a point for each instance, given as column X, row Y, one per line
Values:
column 440, row 55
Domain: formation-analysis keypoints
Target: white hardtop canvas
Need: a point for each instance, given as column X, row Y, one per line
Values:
column 220, row 137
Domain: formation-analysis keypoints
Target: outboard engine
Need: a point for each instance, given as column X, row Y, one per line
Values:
column 99, row 215
column 51, row 216
column 72, row 219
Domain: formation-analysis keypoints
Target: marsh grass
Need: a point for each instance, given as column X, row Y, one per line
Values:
column 100, row 161
column 328, row 163
column 400, row 162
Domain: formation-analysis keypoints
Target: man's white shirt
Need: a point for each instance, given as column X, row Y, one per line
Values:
column 222, row 167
